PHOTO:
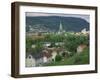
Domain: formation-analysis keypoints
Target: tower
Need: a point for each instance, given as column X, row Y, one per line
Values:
column 60, row 29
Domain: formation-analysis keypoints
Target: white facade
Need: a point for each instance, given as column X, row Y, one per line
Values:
column 39, row 61
column 45, row 59
column 47, row 44
column 30, row 61
column 79, row 49
column 33, row 46
column 54, row 53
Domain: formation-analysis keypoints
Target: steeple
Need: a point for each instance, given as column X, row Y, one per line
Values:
column 60, row 28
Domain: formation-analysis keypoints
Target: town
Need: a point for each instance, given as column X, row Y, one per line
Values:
column 49, row 48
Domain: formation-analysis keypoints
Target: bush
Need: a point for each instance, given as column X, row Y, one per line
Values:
column 72, row 54
column 58, row 58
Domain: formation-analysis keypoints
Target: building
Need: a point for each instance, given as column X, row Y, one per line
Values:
column 30, row 61
column 80, row 48
column 54, row 54
column 47, row 56
column 83, row 31
column 61, row 30
column 46, row 44
column 38, row 59
column 34, row 59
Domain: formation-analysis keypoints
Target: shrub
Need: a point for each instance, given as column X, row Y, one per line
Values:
column 58, row 58
column 72, row 54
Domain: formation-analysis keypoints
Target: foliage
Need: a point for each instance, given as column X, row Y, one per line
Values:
column 76, row 59
column 73, row 41
column 38, row 47
column 58, row 58
column 54, row 38
column 29, row 42
column 82, row 58
column 52, row 23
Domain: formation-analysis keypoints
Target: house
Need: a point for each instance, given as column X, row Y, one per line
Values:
column 34, row 59
column 84, row 31
column 47, row 57
column 54, row 54
column 30, row 61
column 42, row 57
column 33, row 46
column 46, row 44
column 39, row 58
column 80, row 48
column 78, row 33
column 59, row 43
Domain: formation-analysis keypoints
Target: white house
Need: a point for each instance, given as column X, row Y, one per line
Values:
column 30, row 61
column 83, row 31
column 46, row 44
column 34, row 59
column 59, row 43
column 54, row 53
column 80, row 48
column 47, row 57
column 33, row 46
column 38, row 59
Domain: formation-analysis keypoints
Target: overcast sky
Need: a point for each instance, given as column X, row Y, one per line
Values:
column 34, row 14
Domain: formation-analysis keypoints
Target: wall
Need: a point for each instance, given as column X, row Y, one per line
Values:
column 5, row 40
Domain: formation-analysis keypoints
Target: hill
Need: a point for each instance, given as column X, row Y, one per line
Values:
column 53, row 22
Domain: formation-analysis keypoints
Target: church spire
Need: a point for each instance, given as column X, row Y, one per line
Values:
column 60, row 27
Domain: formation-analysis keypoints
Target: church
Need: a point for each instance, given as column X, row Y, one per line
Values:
column 61, row 30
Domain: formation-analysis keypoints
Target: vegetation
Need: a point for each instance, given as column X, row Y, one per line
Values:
column 52, row 22
column 82, row 58
column 71, row 42
column 29, row 43
column 58, row 58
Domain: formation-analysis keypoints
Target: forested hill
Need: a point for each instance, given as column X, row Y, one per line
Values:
column 53, row 22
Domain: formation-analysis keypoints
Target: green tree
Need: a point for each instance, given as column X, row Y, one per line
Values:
column 58, row 58
column 38, row 47
column 29, row 43
column 73, row 41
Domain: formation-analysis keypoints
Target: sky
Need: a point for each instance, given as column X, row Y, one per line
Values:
column 35, row 14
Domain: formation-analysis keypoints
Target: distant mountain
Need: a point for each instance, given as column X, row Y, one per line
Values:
column 53, row 22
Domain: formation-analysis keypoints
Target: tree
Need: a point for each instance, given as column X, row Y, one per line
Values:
column 73, row 41
column 58, row 58
column 54, row 38
column 38, row 47
column 29, row 43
